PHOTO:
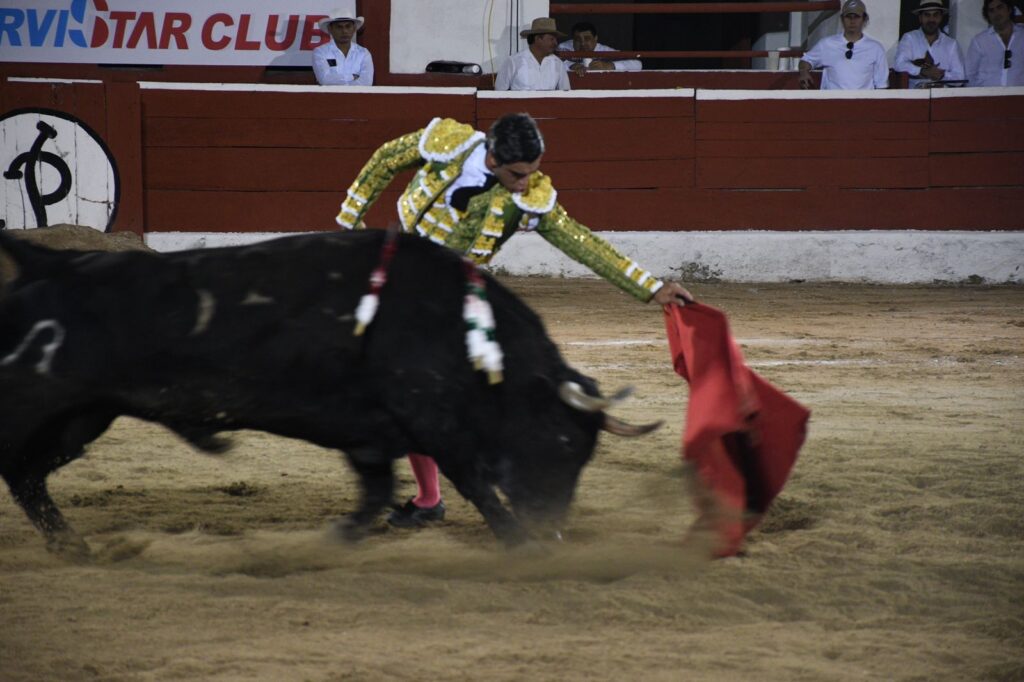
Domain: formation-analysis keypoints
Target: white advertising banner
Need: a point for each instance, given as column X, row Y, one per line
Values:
column 218, row 33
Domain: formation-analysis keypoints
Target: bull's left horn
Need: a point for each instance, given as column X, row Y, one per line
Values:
column 621, row 428
column 573, row 395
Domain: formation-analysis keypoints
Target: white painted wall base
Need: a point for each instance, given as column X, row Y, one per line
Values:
column 884, row 257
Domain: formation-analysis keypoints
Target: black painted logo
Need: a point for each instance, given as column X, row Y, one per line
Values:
column 55, row 170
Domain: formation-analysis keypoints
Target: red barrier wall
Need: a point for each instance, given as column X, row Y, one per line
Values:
column 226, row 159
column 270, row 161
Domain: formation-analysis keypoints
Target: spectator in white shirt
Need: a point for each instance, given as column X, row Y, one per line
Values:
column 342, row 61
column 584, row 39
column 536, row 67
column 849, row 60
column 928, row 54
column 996, row 55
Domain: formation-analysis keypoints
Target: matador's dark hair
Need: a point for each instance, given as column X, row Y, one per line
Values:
column 514, row 138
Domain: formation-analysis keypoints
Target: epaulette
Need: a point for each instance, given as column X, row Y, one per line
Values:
column 539, row 197
column 445, row 138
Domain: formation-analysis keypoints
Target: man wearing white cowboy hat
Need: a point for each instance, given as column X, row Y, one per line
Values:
column 342, row 61
column 928, row 54
column 536, row 67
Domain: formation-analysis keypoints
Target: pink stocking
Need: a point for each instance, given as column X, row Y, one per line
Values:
column 424, row 470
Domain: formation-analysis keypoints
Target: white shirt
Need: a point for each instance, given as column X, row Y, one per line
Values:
column 620, row 64
column 866, row 69
column 474, row 172
column 985, row 59
column 345, row 69
column 945, row 53
column 522, row 72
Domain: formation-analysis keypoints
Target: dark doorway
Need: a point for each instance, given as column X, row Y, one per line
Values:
column 703, row 32
column 613, row 30
column 680, row 32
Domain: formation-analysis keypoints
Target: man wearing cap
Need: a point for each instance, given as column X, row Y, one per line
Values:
column 849, row 60
column 472, row 192
column 996, row 55
column 342, row 61
column 536, row 67
column 928, row 54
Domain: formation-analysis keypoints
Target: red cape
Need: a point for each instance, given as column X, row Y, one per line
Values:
column 742, row 434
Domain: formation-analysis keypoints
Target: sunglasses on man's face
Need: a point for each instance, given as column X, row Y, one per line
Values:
column 1006, row 58
column 849, row 50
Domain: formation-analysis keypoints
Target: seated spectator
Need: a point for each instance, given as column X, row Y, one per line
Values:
column 342, row 61
column 849, row 60
column 584, row 39
column 536, row 67
column 996, row 55
column 928, row 54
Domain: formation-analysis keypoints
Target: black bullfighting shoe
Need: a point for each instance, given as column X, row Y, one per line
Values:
column 411, row 516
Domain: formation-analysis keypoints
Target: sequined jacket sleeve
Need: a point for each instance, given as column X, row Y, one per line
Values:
column 583, row 246
column 390, row 159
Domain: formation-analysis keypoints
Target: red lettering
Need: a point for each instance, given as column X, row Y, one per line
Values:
column 289, row 35
column 208, row 42
column 120, row 20
column 242, row 41
column 175, row 26
column 100, row 32
column 312, row 36
column 147, row 25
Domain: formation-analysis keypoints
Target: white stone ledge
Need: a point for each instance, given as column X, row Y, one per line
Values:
column 884, row 257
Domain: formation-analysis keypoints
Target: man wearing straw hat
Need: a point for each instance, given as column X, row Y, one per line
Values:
column 928, row 54
column 536, row 67
column 342, row 61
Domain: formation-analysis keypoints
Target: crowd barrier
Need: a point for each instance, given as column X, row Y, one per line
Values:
column 263, row 158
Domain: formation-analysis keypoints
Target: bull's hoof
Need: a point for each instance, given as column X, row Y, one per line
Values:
column 515, row 538
column 350, row 531
column 531, row 548
column 69, row 547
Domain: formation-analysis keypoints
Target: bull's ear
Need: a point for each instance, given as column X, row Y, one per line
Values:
column 31, row 261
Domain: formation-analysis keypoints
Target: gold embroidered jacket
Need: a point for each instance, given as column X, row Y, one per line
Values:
column 440, row 151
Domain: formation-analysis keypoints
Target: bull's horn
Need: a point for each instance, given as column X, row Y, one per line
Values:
column 621, row 428
column 573, row 395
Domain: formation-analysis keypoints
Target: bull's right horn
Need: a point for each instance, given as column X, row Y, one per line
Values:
column 572, row 394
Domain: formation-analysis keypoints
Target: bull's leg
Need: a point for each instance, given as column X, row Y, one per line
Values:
column 501, row 521
column 29, row 491
column 56, row 443
column 378, row 487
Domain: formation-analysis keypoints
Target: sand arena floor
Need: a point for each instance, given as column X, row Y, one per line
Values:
column 895, row 553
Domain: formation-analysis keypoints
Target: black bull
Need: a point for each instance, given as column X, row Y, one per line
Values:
column 261, row 337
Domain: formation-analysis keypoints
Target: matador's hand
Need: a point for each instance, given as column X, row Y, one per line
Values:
column 673, row 292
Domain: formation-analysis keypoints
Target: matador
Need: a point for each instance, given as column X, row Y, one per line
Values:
column 472, row 192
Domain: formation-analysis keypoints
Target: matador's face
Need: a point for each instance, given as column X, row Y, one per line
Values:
column 515, row 177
